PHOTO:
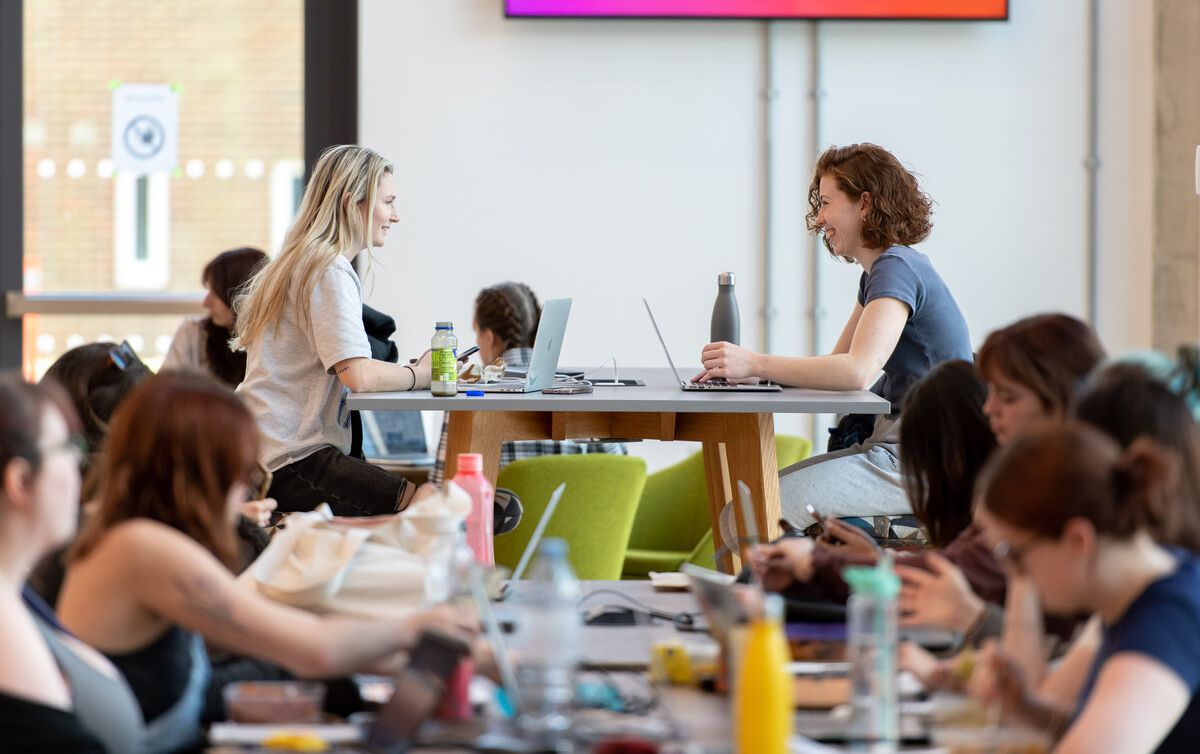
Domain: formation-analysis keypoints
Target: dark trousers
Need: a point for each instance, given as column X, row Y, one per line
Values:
column 350, row 486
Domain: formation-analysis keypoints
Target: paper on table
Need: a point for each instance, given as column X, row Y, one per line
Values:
column 241, row 734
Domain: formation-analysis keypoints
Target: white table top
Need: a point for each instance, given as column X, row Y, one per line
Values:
column 660, row 394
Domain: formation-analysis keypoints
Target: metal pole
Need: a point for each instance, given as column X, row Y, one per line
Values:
column 816, row 94
column 770, row 95
column 1092, row 162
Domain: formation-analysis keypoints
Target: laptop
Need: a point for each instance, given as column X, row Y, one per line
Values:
column 534, row 541
column 717, row 385
column 546, row 347
column 395, row 438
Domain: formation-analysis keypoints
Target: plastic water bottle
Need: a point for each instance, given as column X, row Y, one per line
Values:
column 443, row 361
column 726, row 323
column 551, row 628
column 763, row 692
column 872, row 648
column 480, row 520
column 460, row 562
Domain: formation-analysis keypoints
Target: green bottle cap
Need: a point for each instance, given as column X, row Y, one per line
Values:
column 879, row 581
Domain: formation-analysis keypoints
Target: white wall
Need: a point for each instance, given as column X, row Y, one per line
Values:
column 606, row 160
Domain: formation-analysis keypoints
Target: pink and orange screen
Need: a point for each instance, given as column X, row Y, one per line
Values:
column 930, row 9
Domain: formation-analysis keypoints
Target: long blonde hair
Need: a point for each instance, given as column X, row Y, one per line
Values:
column 330, row 223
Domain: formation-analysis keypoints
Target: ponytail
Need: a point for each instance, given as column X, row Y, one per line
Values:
column 1144, row 480
column 1048, row 477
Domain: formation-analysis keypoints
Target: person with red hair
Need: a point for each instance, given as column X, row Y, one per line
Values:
column 150, row 576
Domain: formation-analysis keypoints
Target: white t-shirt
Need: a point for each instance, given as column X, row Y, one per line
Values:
column 187, row 347
column 290, row 386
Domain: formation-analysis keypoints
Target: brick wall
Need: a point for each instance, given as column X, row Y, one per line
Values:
column 240, row 66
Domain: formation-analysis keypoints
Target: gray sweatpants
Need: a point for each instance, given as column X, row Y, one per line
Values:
column 863, row 480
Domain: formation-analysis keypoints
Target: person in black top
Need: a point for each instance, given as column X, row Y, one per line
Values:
column 55, row 694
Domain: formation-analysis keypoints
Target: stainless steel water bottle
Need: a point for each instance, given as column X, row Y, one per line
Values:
column 726, row 324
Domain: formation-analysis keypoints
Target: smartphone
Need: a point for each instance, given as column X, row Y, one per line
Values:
column 468, row 353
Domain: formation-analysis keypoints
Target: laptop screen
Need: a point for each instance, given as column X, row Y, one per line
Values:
column 547, row 344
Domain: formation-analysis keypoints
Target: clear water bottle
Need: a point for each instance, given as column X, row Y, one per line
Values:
column 872, row 648
column 443, row 361
column 551, row 629
column 726, row 323
column 461, row 563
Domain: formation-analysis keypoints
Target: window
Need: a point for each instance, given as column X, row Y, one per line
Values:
column 239, row 69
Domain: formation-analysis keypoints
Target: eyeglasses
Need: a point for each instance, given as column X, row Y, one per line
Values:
column 123, row 355
column 1014, row 554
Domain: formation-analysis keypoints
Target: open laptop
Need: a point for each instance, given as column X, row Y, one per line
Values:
column 718, row 385
column 534, row 540
column 395, row 439
column 547, row 345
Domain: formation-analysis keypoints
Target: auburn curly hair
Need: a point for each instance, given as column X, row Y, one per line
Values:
column 899, row 210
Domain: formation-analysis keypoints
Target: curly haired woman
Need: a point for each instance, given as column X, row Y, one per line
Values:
column 869, row 210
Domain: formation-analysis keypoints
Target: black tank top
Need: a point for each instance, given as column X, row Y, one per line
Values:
column 27, row 726
column 158, row 673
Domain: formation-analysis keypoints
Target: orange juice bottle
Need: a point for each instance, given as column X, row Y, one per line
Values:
column 762, row 705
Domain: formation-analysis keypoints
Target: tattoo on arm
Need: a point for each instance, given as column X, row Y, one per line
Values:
column 204, row 599
column 343, row 368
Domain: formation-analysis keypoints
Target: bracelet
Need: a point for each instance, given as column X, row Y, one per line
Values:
column 413, row 372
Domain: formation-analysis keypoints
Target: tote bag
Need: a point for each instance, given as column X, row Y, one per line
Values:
column 327, row 566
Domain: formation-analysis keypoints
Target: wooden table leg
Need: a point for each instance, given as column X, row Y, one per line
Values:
column 483, row 431
column 750, row 451
column 739, row 447
column 716, row 473
column 473, row 432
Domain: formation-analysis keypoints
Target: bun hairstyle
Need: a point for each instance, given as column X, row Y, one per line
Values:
column 511, row 311
column 1048, row 353
column 1128, row 400
column 1048, row 477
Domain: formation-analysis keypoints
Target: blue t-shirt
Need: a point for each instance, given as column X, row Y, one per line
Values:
column 935, row 331
column 1163, row 623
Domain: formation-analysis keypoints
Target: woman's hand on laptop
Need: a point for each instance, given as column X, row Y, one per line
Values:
column 733, row 363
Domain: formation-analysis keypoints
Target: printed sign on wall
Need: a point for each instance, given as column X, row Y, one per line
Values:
column 145, row 128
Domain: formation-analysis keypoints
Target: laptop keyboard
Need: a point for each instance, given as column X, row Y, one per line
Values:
column 715, row 382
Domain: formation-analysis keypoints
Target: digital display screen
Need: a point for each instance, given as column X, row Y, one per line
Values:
column 845, row 9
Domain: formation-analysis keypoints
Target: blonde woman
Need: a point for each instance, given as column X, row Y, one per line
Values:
column 300, row 321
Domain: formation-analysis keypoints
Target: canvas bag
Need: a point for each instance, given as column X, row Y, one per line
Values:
column 373, row 572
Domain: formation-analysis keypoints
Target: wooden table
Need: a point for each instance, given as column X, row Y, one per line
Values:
column 736, row 430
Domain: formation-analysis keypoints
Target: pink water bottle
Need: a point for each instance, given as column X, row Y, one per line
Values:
column 479, row 521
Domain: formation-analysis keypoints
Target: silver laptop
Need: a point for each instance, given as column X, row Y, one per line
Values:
column 713, row 385
column 547, row 345
column 534, row 540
